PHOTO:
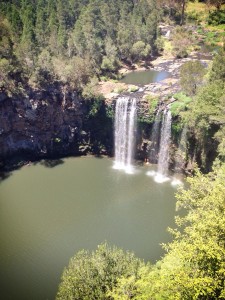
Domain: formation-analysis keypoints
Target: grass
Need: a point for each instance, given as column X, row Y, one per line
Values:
column 200, row 10
column 199, row 13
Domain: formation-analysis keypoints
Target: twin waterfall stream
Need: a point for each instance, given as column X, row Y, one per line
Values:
column 125, row 137
column 125, row 125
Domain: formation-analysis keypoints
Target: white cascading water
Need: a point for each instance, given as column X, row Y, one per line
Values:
column 163, row 161
column 125, row 129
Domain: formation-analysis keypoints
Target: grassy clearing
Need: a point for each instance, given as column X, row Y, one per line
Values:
column 199, row 13
column 198, row 7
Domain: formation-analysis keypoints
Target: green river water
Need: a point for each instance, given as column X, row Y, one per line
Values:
column 48, row 212
column 145, row 77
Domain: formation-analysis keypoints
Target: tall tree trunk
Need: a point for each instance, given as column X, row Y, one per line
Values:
column 182, row 12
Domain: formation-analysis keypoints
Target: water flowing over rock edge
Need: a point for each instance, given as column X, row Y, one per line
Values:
column 54, row 124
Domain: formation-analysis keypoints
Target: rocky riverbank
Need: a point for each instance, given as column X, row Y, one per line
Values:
column 163, row 88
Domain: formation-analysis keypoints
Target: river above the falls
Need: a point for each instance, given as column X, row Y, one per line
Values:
column 52, row 209
column 145, row 77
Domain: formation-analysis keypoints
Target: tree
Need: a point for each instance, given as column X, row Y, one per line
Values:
column 172, row 7
column 6, row 44
column 92, row 275
column 28, row 19
column 181, row 40
column 74, row 73
column 140, row 51
column 215, row 3
column 183, row 4
column 218, row 67
column 40, row 24
column 191, row 76
column 6, row 82
column 43, row 74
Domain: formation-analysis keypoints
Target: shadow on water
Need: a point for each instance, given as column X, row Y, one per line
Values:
column 98, row 155
column 51, row 163
column 4, row 175
column 16, row 163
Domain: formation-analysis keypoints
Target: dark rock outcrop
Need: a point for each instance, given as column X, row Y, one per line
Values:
column 41, row 124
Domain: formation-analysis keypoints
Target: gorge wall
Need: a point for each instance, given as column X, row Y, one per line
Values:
column 41, row 124
column 54, row 123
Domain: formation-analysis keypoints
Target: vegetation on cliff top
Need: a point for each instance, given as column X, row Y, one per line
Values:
column 72, row 41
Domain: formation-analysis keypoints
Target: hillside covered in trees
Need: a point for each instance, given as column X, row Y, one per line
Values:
column 70, row 41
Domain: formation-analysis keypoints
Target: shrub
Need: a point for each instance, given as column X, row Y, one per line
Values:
column 180, row 105
column 92, row 275
column 216, row 17
column 181, row 41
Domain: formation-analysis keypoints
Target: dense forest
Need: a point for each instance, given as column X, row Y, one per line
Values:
column 70, row 44
column 71, row 41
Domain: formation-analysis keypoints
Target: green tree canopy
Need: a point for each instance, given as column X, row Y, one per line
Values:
column 191, row 76
column 92, row 275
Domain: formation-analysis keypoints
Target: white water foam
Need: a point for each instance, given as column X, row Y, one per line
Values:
column 159, row 178
column 176, row 182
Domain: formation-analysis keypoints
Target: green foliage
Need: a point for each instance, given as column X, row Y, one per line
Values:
column 176, row 128
column 198, row 246
column 74, row 72
column 205, row 117
column 95, row 107
column 216, row 17
column 140, row 51
column 43, row 73
column 6, row 44
column 109, row 112
column 160, row 44
column 73, row 32
column 119, row 90
column 6, row 82
column 133, row 88
column 206, row 106
column 191, row 76
column 181, row 41
column 181, row 104
column 108, row 65
column 218, row 67
column 90, row 90
column 152, row 103
column 94, row 275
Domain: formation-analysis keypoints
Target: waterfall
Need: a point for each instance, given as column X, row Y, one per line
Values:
column 163, row 161
column 125, row 127
column 155, row 137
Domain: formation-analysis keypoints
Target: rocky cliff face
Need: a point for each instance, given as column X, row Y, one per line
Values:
column 40, row 124
column 43, row 124
column 53, row 124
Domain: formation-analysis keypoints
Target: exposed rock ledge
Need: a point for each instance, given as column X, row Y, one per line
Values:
column 170, row 64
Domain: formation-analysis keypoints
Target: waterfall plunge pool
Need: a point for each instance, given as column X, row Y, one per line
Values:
column 145, row 77
column 49, row 212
